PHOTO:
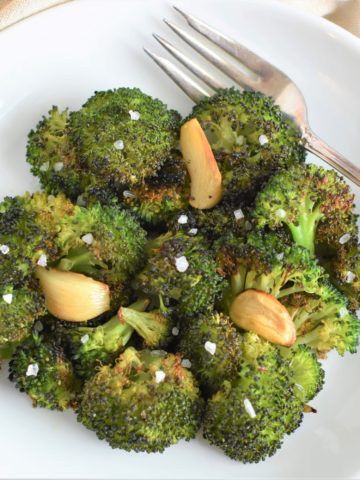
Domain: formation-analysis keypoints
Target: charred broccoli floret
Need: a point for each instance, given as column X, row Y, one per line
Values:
column 40, row 368
column 213, row 345
column 91, row 347
column 181, row 269
column 146, row 402
column 250, row 138
column 313, row 203
column 290, row 274
column 124, row 133
column 249, row 417
column 52, row 156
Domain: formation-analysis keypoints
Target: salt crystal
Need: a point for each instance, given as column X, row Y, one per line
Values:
column 183, row 219
column 84, row 339
column 345, row 238
column 88, row 238
column 119, row 145
column 186, row 363
column 159, row 376
column 32, row 370
column 240, row 140
column 134, row 115
column 4, row 249
column 210, row 347
column 249, row 408
column 181, row 264
column 58, row 166
column 238, row 214
column 279, row 256
column 42, row 262
column 193, row 231
column 81, row 201
column 263, row 139
column 38, row 327
column 350, row 277
column 44, row 167
column 8, row 298
column 280, row 213
column 128, row 194
column 175, row 331
column 343, row 312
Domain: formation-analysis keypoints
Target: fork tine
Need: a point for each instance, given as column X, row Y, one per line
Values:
column 247, row 57
column 225, row 66
column 192, row 66
column 192, row 89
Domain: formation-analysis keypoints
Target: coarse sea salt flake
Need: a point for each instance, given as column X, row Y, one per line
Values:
column 159, row 376
column 181, row 264
column 119, row 145
column 238, row 214
column 193, row 231
column 343, row 312
column 84, row 339
column 345, row 238
column 4, row 249
column 128, row 194
column 58, row 166
column 263, row 139
column 210, row 347
column 134, row 115
column 280, row 212
column 350, row 277
column 88, row 238
column 279, row 256
column 249, row 408
column 32, row 370
column 186, row 363
column 42, row 262
column 8, row 298
column 183, row 219
column 44, row 167
column 175, row 331
column 81, row 201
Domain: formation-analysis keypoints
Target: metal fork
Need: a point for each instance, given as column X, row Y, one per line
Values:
column 263, row 77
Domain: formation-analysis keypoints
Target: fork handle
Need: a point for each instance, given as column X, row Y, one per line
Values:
column 318, row 147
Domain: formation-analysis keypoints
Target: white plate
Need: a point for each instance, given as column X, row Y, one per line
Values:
column 60, row 57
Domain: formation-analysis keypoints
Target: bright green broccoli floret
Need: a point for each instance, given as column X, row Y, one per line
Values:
column 40, row 369
column 250, row 138
column 91, row 347
column 112, row 143
column 306, row 371
column 52, row 156
column 313, row 203
column 213, row 345
column 181, row 269
column 289, row 273
column 323, row 321
column 102, row 242
column 249, row 417
column 146, row 402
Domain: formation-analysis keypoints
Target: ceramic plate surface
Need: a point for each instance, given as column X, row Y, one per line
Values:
column 60, row 57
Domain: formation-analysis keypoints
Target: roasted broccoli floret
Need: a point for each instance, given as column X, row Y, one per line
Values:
column 290, row 274
column 213, row 345
column 306, row 371
column 102, row 242
column 250, row 138
column 124, row 133
column 91, row 347
column 146, row 402
column 313, row 203
column 344, row 271
column 249, row 417
column 52, row 156
column 40, row 368
column 181, row 269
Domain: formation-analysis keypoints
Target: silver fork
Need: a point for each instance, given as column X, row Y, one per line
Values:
column 262, row 77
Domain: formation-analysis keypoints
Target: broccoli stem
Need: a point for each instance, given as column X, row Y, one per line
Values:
column 289, row 291
column 311, row 338
column 80, row 260
column 304, row 232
